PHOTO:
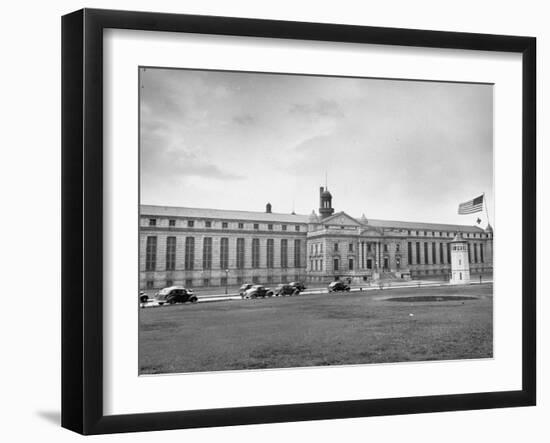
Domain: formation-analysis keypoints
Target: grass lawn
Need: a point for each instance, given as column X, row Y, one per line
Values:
column 318, row 329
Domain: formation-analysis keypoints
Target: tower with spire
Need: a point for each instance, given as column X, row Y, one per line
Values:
column 325, row 203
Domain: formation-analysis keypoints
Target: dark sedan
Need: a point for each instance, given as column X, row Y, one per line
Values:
column 338, row 286
column 298, row 285
column 257, row 291
column 175, row 294
column 244, row 288
column 286, row 289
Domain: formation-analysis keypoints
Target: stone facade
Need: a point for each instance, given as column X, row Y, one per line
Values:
column 207, row 247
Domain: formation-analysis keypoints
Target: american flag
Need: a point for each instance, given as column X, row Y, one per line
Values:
column 471, row 206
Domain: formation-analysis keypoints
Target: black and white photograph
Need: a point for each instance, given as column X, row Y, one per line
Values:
column 294, row 221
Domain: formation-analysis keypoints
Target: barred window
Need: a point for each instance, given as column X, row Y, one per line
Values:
column 151, row 254
column 224, row 253
column 481, row 252
column 425, row 253
column 207, row 253
column 269, row 252
column 297, row 253
column 170, row 254
column 255, row 252
column 284, row 253
column 240, row 253
column 189, row 253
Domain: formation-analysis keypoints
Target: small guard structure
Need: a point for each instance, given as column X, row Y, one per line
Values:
column 460, row 265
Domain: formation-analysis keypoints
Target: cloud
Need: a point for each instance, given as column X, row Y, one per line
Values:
column 177, row 163
column 320, row 108
column 244, row 119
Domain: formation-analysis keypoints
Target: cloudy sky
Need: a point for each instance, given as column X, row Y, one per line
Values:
column 396, row 150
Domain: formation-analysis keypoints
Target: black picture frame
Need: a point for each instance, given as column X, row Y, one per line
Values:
column 82, row 218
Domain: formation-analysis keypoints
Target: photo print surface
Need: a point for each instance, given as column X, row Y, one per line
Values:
column 299, row 220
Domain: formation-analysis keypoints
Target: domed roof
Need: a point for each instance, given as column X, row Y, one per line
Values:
column 363, row 219
column 325, row 193
column 313, row 217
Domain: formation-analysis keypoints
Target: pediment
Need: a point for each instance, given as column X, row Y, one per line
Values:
column 340, row 219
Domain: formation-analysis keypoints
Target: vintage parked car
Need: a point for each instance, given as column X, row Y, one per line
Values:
column 337, row 286
column 175, row 294
column 257, row 291
column 286, row 289
column 298, row 285
column 143, row 297
column 244, row 288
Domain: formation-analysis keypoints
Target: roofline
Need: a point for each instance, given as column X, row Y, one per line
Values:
column 420, row 224
column 228, row 210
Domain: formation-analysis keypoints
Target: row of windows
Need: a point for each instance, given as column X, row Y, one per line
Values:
column 151, row 253
column 225, row 225
column 445, row 271
column 476, row 248
column 336, row 264
column 284, row 227
column 223, row 281
column 316, row 265
column 370, row 247
column 447, row 234
column 315, row 248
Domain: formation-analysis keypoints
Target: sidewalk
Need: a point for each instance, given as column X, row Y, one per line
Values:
column 323, row 290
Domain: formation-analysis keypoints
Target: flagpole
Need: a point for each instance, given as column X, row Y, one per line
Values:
column 486, row 210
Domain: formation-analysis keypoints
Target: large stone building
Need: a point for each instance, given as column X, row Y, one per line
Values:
column 212, row 247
